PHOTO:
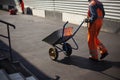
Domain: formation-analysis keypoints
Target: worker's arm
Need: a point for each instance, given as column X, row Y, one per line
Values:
column 93, row 13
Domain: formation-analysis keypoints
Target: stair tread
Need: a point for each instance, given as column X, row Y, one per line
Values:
column 16, row 76
column 31, row 78
column 3, row 75
column 7, row 66
column 20, row 68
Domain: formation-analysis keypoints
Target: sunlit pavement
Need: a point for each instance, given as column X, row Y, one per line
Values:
column 29, row 48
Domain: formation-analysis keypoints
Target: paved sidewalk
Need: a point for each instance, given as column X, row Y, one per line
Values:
column 29, row 48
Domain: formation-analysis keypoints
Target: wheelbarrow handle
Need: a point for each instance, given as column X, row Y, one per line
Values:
column 78, row 27
column 65, row 24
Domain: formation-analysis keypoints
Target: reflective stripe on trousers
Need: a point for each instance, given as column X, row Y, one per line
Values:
column 102, row 48
column 94, row 54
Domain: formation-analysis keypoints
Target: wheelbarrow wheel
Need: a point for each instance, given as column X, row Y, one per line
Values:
column 68, row 49
column 53, row 53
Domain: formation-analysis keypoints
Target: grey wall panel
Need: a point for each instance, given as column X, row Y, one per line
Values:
column 40, row 4
column 7, row 2
column 112, row 7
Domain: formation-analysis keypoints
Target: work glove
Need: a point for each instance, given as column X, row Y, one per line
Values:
column 87, row 20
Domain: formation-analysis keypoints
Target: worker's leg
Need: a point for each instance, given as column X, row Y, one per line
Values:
column 22, row 7
column 100, row 46
column 92, row 41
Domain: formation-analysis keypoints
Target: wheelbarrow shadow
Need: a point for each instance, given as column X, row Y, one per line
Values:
column 85, row 63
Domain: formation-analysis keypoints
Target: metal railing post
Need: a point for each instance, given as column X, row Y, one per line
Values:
column 9, row 40
column 8, row 37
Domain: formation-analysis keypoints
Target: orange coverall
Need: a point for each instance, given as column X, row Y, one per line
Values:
column 22, row 5
column 95, row 14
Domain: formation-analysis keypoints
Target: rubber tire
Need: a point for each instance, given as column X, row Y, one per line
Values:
column 53, row 53
column 68, row 51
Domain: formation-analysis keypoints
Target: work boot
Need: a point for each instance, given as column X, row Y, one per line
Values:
column 104, row 55
column 93, row 59
column 23, row 12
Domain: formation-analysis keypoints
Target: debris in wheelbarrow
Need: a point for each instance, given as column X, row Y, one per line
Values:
column 61, row 37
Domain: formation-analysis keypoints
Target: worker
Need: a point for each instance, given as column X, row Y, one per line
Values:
column 21, row 3
column 94, row 19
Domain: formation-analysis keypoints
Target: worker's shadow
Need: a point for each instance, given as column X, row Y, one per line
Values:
column 85, row 63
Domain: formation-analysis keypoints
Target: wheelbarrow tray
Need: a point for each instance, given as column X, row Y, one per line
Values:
column 56, row 38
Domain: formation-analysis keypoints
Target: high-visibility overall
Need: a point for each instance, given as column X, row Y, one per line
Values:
column 95, row 14
column 22, row 5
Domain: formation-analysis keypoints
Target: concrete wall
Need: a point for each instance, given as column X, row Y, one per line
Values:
column 112, row 26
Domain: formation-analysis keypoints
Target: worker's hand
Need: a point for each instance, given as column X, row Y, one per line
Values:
column 87, row 20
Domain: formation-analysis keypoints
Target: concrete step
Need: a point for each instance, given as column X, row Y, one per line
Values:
column 21, row 68
column 16, row 76
column 3, row 75
column 31, row 78
column 7, row 66
column 14, row 71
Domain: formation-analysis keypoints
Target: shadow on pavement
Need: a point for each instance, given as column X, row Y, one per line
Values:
column 85, row 63
column 17, row 57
